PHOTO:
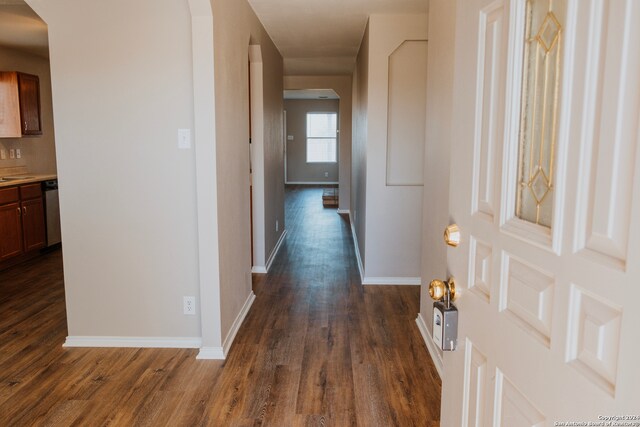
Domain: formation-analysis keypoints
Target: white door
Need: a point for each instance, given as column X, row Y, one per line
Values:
column 545, row 186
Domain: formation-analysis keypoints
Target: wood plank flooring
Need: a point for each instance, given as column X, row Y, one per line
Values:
column 317, row 349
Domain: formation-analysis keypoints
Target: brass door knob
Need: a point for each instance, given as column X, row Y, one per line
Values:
column 438, row 289
column 452, row 235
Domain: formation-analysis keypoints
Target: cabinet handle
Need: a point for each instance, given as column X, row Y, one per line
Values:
column 19, row 211
column 24, row 210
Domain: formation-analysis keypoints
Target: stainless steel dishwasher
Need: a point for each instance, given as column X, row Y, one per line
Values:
column 52, row 206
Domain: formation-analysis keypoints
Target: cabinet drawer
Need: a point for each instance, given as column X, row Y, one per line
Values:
column 31, row 191
column 9, row 195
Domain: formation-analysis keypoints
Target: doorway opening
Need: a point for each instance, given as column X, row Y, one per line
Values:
column 256, row 160
column 312, row 141
column 30, row 215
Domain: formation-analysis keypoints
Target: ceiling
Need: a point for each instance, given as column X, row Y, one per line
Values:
column 322, row 37
column 314, row 37
column 22, row 29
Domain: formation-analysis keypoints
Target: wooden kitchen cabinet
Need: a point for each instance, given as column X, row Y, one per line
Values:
column 10, row 231
column 19, row 104
column 10, row 223
column 22, row 220
column 33, row 225
column 29, row 91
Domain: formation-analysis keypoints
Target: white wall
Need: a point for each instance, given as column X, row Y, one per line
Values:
column 407, row 105
column 342, row 86
column 437, row 155
column 122, row 86
column 358, row 211
column 38, row 152
column 298, row 169
column 235, row 28
column 393, row 213
column 206, row 178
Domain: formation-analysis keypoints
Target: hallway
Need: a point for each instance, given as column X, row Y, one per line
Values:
column 316, row 349
column 323, row 349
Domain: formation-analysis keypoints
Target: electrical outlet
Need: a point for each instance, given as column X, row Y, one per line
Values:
column 189, row 305
column 277, row 226
column 3, row 154
column 326, row 174
column 18, row 153
column 12, row 153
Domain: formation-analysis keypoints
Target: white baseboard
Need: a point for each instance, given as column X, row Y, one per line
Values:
column 344, row 212
column 235, row 327
column 410, row 281
column 312, row 183
column 431, row 346
column 356, row 248
column 275, row 250
column 141, row 342
column 264, row 269
column 211, row 353
column 220, row 353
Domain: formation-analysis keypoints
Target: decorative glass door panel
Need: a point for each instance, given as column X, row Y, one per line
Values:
column 539, row 110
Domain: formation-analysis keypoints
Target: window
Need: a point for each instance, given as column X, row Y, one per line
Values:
column 539, row 113
column 322, row 146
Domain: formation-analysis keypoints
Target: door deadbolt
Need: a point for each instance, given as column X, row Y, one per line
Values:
column 452, row 235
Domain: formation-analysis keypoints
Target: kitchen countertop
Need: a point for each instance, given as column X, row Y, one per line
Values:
column 32, row 177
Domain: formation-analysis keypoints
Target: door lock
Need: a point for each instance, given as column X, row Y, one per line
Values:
column 439, row 289
column 445, row 314
column 452, row 235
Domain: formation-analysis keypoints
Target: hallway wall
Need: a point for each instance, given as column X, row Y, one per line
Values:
column 438, row 121
column 298, row 170
column 358, row 211
column 235, row 28
column 393, row 212
column 122, row 87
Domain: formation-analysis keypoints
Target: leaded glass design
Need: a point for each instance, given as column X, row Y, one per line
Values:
column 539, row 110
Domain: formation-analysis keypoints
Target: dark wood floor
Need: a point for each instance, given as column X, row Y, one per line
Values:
column 316, row 349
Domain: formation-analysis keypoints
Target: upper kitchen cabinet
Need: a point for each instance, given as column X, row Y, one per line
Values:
column 19, row 105
column 29, row 91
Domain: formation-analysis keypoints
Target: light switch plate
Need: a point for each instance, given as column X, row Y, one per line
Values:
column 3, row 154
column 18, row 153
column 184, row 139
column 12, row 153
column 289, row 137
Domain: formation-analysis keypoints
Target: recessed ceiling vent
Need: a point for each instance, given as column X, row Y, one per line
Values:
column 309, row 93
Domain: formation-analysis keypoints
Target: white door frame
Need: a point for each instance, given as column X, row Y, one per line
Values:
column 257, row 158
column 206, row 178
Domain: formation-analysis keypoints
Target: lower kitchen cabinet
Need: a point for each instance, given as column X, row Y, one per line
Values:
column 10, row 230
column 33, row 224
column 22, row 220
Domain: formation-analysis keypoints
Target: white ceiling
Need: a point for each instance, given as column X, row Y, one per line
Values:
column 22, row 29
column 319, row 37
column 322, row 37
